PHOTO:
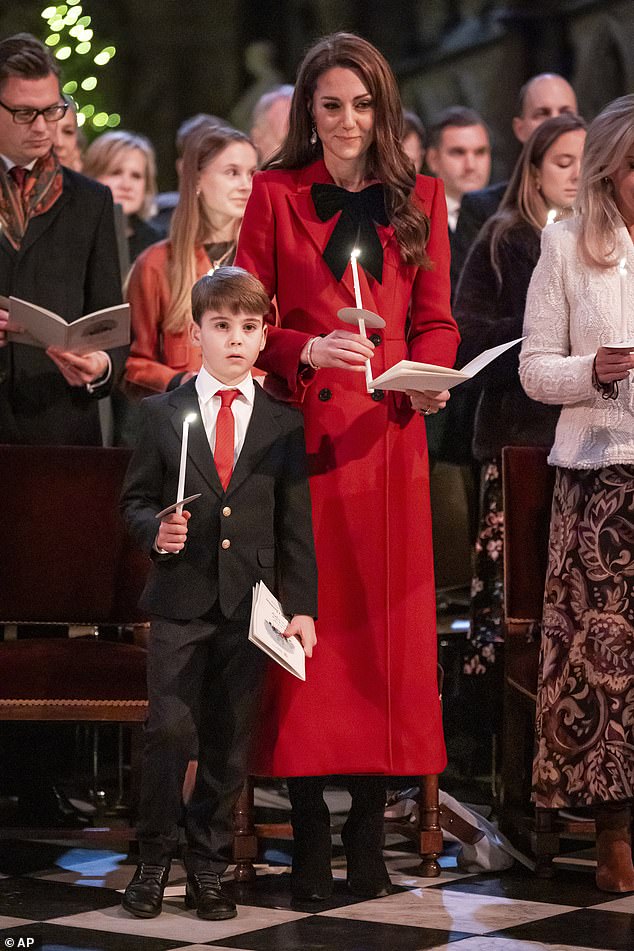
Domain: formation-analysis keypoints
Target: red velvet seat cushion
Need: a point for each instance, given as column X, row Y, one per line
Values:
column 61, row 669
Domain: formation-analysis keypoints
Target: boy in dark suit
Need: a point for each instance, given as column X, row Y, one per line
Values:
column 246, row 456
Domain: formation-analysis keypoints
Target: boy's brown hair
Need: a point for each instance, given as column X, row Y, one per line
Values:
column 232, row 289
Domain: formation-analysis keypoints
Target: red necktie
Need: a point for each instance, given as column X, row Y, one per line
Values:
column 18, row 174
column 224, row 448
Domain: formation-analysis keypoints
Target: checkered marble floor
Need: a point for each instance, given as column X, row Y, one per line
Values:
column 53, row 897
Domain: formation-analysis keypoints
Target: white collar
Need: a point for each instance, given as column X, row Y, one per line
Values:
column 9, row 164
column 207, row 386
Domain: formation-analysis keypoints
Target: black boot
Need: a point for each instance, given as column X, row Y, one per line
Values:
column 311, row 876
column 143, row 897
column 363, row 836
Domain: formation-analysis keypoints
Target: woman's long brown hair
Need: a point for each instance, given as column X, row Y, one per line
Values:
column 523, row 202
column 190, row 224
column 386, row 160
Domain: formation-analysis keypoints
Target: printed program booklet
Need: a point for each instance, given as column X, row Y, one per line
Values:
column 102, row 330
column 409, row 375
column 265, row 631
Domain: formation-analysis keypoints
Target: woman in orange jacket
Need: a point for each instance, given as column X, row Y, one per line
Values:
column 218, row 165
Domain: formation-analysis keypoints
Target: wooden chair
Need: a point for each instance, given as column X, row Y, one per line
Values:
column 528, row 483
column 65, row 558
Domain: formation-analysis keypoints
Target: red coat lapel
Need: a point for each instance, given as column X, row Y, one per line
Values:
column 303, row 211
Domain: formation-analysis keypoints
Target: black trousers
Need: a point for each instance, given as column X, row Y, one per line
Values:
column 204, row 682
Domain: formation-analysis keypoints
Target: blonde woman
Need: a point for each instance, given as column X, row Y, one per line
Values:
column 578, row 304
column 215, row 184
column 126, row 163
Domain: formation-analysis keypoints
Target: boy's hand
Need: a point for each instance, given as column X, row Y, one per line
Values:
column 303, row 626
column 172, row 533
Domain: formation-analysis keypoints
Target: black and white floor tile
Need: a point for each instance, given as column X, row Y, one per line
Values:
column 56, row 898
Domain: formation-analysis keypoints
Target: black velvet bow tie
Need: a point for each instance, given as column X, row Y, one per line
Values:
column 355, row 228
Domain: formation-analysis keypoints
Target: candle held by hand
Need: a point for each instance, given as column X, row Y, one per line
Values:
column 180, row 493
column 355, row 277
column 359, row 304
column 623, row 289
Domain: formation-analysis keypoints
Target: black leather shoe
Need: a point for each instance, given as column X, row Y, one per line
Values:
column 204, row 893
column 143, row 897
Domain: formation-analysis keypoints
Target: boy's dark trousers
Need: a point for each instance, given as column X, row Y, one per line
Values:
column 204, row 681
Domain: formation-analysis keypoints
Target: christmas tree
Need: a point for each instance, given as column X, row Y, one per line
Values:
column 82, row 56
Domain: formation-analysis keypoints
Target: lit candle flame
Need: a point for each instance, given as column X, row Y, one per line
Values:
column 552, row 214
column 190, row 418
column 355, row 252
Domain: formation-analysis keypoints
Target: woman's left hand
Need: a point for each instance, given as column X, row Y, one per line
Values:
column 428, row 402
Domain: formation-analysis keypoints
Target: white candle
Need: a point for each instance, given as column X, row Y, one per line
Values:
column 359, row 303
column 552, row 214
column 355, row 277
column 180, row 492
column 623, row 287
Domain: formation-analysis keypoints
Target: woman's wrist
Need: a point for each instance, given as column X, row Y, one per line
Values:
column 609, row 391
column 307, row 354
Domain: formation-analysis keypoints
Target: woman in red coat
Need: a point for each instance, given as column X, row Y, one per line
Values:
column 369, row 707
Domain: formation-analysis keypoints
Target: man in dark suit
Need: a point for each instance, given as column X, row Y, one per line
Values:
column 459, row 152
column 58, row 250
column 542, row 97
column 253, row 522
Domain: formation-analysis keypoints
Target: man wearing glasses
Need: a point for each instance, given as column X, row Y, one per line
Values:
column 57, row 250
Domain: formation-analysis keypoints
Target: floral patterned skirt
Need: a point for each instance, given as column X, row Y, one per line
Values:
column 487, row 585
column 585, row 699
column 481, row 683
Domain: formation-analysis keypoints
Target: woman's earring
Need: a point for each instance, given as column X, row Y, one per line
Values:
column 313, row 136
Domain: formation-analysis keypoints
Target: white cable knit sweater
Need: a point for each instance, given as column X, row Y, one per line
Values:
column 571, row 311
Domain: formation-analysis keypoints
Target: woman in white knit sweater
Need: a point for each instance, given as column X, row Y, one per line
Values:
column 579, row 303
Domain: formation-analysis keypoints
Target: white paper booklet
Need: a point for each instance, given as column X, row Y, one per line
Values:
column 409, row 375
column 265, row 631
column 103, row 330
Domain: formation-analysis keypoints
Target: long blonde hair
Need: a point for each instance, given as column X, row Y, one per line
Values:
column 191, row 226
column 102, row 154
column 610, row 139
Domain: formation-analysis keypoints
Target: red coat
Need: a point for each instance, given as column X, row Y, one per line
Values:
column 370, row 702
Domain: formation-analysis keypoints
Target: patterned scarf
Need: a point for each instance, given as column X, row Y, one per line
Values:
column 42, row 188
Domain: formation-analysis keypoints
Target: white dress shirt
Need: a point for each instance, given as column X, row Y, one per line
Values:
column 453, row 210
column 208, row 389
column 9, row 164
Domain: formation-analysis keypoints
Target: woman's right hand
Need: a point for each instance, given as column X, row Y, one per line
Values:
column 340, row 349
column 613, row 363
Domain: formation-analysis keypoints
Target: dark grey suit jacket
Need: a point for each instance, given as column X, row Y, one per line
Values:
column 265, row 512
column 67, row 263
column 475, row 209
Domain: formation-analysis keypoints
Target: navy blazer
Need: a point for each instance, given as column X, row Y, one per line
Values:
column 265, row 513
column 67, row 263
column 475, row 210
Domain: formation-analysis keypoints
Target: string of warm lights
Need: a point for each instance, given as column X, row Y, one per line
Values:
column 72, row 41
